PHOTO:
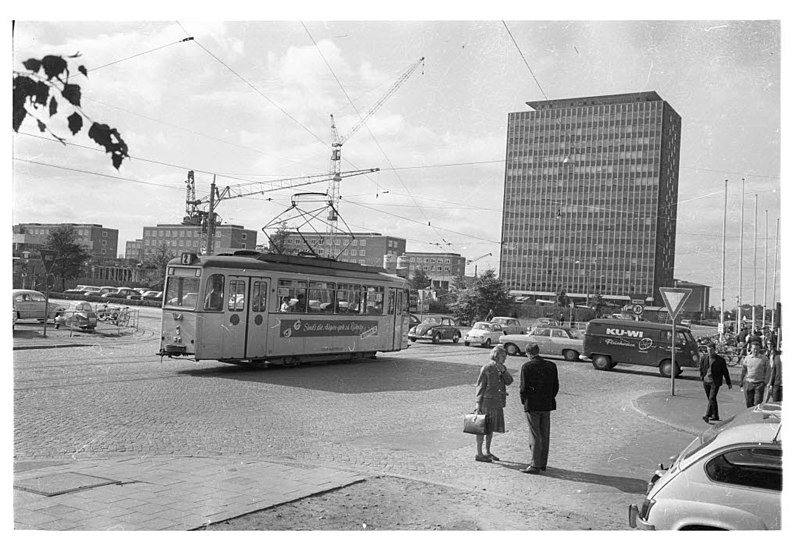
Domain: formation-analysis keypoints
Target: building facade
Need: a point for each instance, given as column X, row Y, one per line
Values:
column 441, row 268
column 100, row 242
column 178, row 238
column 361, row 248
column 590, row 197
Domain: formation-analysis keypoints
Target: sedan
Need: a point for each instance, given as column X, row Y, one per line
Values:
column 556, row 341
column 80, row 315
column 121, row 293
column 728, row 478
column 151, row 295
column 30, row 305
column 511, row 326
column 413, row 321
column 435, row 328
column 483, row 333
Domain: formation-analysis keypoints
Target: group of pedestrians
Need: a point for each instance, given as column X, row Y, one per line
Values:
column 761, row 379
column 538, row 387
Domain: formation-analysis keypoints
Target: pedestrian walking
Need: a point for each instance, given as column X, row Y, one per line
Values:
column 490, row 398
column 754, row 375
column 538, row 387
column 561, row 319
column 775, row 381
column 713, row 370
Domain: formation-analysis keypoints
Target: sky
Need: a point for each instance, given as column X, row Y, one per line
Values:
column 251, row 99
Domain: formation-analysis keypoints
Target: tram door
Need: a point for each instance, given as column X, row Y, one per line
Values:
column 233, row 330
column 396, row 314
column 257, row 318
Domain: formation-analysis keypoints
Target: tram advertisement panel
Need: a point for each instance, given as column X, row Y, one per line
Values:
column 309, row 327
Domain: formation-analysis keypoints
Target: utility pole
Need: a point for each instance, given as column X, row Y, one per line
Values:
column 766, row 261
column 755, row 254
column 775, row 267
column 212, row 216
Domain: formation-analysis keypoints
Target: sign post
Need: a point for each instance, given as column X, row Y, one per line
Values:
column 48, row 258
column 674, row 299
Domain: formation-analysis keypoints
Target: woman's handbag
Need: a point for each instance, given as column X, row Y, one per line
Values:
column 475, row 424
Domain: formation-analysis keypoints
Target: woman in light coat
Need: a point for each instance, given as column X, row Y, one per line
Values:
column 490, row 398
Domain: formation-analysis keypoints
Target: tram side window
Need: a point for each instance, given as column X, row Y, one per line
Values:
column 321, row 296
column 349, row 298
column 236, row 295
column 374, row 297
column 292, row 295
column 405, row 299
column 215, row 292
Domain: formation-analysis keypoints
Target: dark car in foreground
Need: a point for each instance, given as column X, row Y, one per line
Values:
column 435, row 328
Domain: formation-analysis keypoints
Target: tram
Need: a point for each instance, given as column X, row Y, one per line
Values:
column 249, row 308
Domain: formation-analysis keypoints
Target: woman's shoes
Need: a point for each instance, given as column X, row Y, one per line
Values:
column 483, row 458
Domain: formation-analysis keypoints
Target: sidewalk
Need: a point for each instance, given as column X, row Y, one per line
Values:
column 31, row 337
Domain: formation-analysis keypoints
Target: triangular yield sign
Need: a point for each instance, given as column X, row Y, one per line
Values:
column 674, row 299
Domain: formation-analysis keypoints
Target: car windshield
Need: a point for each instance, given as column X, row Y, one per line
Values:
column 482, row 325
column 432, row 320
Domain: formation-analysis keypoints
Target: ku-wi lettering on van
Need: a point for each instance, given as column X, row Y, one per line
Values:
column 624, row 333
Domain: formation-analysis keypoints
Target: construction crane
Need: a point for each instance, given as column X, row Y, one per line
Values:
column 193, row 215
column 338, row 141
column 470, row 261
column 209, row 220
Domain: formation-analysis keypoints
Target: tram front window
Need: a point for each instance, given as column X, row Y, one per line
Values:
column 182, row 292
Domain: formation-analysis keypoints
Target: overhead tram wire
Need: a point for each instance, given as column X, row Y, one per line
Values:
column 525, row 60
column 187, row 39
column 254, row 88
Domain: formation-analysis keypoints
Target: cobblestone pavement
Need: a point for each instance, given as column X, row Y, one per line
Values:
column 399, row 415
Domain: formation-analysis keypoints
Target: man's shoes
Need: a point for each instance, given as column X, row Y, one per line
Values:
column 483, row 458
column 714, row 418
column 493, row 457
column 705, row 419
column 531, row 470
column 543, row 468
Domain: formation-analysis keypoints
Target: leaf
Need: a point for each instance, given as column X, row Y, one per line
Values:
column 23, row 88
column 72, row 93
column 32, row 64
column 42, row 126
column 109, row 139
column 75, row 122
column 41, row 92
column 53, row 106
column 54, row 66
column 82, row 70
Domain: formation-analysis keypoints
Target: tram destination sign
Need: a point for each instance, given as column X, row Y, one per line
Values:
column 301, row 327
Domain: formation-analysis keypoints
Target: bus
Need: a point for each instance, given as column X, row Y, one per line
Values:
column 255, row 309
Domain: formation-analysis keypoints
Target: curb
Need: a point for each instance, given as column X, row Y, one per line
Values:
column 635, row 404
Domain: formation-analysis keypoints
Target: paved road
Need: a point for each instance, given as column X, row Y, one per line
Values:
column 398, row 415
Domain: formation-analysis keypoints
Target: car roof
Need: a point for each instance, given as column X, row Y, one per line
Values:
column 759, row 424
column 478, row 323
column 504, row 318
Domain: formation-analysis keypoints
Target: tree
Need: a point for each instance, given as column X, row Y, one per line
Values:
column 598, row 304
column 563, row 299
column 158, row 260
column 419, row 280
column 44, row 91
column 278, row 241
column 489, row 293
column 70, row 255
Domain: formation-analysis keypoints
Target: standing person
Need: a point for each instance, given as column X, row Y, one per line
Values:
column 712, row 370
column 538, row 387
column 490, row 398
column 754, row 374
column 561, row 319
column 775, row 381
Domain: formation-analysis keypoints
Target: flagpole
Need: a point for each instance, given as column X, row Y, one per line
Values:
column 722, row 291
column 739, row 296
column 775, row 267
column 755, row 264
column 766, row 264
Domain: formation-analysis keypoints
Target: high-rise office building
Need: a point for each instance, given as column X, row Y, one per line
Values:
column 589, row 204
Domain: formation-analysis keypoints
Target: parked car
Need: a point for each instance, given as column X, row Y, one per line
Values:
column 413, row 321
column 120, row 293
column 484, row 334
column 560, row 341
column 435, row 328
column 30, row 305
column 105, row 289
column 728, row 478
column 77, row 290
column 545, row 321
column 152, row 295
column 79, row 315
column 511, row 326
column 91, row 290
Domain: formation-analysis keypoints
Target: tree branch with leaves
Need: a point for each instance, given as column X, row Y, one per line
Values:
column 45, row 91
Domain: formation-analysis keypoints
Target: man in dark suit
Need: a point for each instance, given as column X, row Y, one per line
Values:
column 712, row 370
column 538, row 387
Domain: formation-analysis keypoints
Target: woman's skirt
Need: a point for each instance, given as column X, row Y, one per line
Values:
column 495, row 421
